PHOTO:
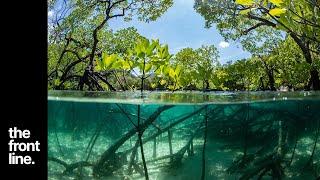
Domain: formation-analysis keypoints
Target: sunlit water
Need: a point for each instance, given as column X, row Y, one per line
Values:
column 249, row 135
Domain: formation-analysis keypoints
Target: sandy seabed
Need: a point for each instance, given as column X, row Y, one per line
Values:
column 218, row 160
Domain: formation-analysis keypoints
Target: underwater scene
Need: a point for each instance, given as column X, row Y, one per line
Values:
column 183, row 136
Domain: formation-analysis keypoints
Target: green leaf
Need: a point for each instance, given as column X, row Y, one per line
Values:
column 171, row 87
column 56, row 82
column 60, row 73
column 141, row 55
column 172, row 73
column 245, row 2
column 245, row 12
column 151, row 48
column 276, row 2
column 178, row 70
column 140, row 66
column 117, row 65
column 126, row 65
column 166, row 70
column 108, row 60
column 99, row 65
column 163, row 82
column 277, row 11
column 137, row 49
column 148, row 67
column 153, row 85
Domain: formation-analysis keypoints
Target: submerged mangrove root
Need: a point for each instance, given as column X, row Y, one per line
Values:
column 140, row 133
column 170, row 142
column 132, row 157
column 310, row 161
column 203, row 172
column 166, row 129
column 264, row 142
column 70, row 167
column 100, row 167
column 293, row 152
column 191, row 149
column 177, row 157
column 138, row 169
column 146, row 175
column 93, row 140
column 154, row 154
column 270, row 163
column 280, row 148
column 160, row 131
column 245, row 127
column 58, row 142
column 153, row 137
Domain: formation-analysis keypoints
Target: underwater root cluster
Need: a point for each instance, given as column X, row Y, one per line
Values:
column 269, row 143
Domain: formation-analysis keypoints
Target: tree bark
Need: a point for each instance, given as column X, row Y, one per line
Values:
column 207, row 84
column 269, row 72
column 271, row 81
column 314, row 81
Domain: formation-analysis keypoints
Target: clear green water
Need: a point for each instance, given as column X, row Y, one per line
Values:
column 249, row 136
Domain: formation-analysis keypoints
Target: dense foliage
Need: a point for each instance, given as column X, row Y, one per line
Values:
column 259, row 20
column 84, row 53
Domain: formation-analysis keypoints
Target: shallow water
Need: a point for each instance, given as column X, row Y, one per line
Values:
column 246, row 135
